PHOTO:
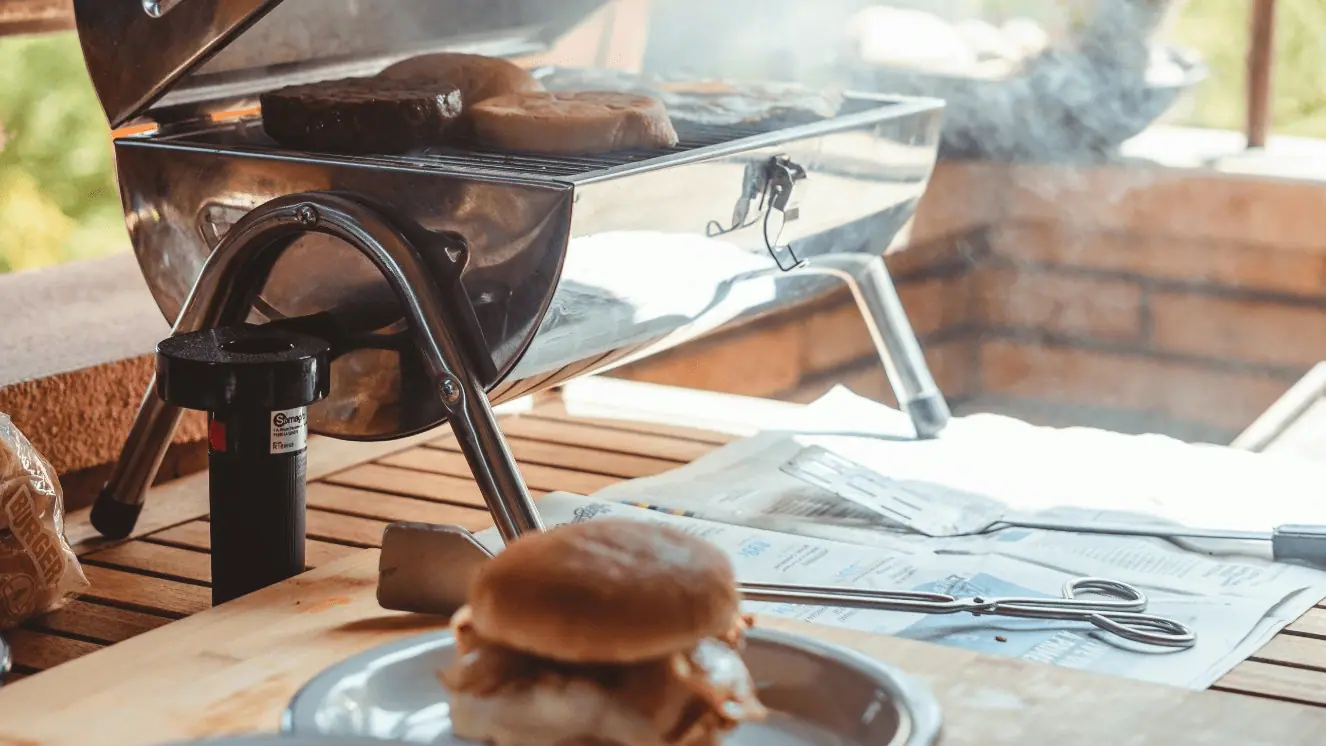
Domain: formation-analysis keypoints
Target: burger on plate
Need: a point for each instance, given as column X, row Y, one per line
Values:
column 605, row 633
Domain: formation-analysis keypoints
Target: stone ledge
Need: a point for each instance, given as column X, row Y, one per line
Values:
column 74, row 316
column 75, row 357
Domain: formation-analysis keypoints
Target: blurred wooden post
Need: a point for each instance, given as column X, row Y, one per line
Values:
column 1261, row 58
column 34, row 16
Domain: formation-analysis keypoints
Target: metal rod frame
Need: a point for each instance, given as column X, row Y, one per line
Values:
column 868, row 279
column 224, row 293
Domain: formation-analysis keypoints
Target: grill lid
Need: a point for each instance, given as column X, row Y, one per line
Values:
column 143, row 54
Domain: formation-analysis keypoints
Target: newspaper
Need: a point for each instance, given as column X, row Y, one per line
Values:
column 786, row 509
column 1222, row 623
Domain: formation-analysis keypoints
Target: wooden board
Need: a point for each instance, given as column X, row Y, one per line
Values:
column 234, row 668
column 163, row 575
column 34, row 16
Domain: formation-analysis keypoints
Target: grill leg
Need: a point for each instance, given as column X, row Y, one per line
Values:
column 868, row 278
column 223, row 294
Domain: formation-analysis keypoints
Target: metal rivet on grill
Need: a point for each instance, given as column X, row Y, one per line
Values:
column 450, row 390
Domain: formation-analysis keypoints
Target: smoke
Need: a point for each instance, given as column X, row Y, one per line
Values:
column 1029, row 80
column 1060, row 82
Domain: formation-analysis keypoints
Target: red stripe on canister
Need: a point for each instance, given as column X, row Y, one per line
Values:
column 216, row 436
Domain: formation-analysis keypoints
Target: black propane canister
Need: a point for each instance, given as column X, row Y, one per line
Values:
column 256, row 384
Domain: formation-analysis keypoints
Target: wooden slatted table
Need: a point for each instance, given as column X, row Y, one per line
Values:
column 355, row 490
column 162, row 573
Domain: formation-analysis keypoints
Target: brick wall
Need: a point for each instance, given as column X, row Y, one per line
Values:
column 1139, row 299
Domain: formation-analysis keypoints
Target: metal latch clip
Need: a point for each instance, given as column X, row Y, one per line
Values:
column 782, row 176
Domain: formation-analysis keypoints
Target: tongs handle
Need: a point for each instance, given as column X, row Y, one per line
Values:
column 6, row 661
column 860, row 598
column 1116, row 597
column 1299, row 543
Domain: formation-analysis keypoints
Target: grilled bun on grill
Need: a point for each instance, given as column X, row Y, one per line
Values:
column 646, row 591
column 479, row 78
column 572, row 122
column 603, row 633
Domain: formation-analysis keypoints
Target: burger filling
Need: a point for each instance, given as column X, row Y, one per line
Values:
column 682, row 697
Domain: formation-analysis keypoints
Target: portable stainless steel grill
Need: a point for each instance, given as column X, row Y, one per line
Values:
column 446, row 281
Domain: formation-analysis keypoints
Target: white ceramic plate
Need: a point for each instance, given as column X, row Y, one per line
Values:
column 281, row 740
column 818, row 694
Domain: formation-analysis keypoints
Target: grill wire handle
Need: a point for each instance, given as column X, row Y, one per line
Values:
column 223, row 294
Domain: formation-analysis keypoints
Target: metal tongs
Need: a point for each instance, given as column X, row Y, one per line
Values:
column 408, row 580
column 1117, row 609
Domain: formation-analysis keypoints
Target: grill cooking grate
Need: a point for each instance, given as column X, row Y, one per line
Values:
column 248, row 135
column 690, row 137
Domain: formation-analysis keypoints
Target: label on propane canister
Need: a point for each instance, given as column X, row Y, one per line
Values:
column 289, row 430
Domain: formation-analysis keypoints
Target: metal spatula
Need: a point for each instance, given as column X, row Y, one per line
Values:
column 426, row 568
column 921, row 507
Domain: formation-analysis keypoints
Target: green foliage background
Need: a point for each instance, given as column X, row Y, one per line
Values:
column 57, row 193
column 58, row 199
column 1219, row 30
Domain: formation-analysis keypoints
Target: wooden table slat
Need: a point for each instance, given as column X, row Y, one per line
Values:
column 318, row 553
column 396, row 481
column 677, row 432
column 98, row 622
column 1312, row 624
column 157, row 559
column 1276, row 682
column 578, row 458
column 1293, row 650
column 348, row 530
column 681, row 450
column 197, row 536
column 538, row 477
column 384, row 507
column 344, row 529
column 40, row 650
column 146, row 593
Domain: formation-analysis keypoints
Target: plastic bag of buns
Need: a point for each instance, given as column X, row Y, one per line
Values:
column 38, row 571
